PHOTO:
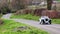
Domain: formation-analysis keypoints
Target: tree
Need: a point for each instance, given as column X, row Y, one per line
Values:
column 18, row 4
column 49, row 4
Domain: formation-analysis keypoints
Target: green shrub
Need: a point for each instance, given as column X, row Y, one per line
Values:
column 5, row 10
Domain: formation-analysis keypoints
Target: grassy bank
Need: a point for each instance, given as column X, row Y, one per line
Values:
column 56, row 21
column 26, row 16
column 9, row 28
column 0, row 15
column 31, row 17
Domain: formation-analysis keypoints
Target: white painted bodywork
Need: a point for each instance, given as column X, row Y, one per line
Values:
column 43, row 18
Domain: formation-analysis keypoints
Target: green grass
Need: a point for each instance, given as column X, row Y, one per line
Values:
column 8, row 28
column 58, row 0
column 26, row 16
column 56, row 21
column 31, row 17
column 0, row 15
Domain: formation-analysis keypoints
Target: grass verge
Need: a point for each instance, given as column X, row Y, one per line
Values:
column 56, row 21
column 0, row 15
column 9, row 26
column 26, row 16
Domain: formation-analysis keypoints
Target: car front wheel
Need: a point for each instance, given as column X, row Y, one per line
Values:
column 42, row 22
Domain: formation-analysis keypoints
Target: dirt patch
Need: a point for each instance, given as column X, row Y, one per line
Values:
column 22, row 28
column 1, row 21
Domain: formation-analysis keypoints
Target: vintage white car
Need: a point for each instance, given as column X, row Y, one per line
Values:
column 45, row 20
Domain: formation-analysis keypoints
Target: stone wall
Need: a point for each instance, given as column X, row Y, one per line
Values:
column 51, row 13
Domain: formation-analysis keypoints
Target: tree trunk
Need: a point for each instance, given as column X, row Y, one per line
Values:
column 49, row 4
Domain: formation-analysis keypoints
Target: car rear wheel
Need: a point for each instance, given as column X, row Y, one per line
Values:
column 50, row 22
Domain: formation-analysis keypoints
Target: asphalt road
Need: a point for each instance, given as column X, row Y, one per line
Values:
column 52, row 29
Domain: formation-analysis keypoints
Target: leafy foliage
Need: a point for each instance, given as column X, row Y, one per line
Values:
column 5, row 10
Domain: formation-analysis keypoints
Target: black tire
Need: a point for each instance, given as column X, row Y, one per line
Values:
column 49, row 21
column 42, row 22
